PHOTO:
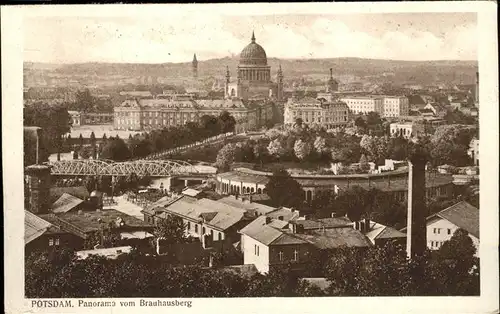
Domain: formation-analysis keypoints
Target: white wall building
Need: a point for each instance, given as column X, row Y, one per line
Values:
column 396, row 106
column 441, row 226
column 365, row 104
column 406, row 129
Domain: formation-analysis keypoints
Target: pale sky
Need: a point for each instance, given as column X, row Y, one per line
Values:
column 174, row 38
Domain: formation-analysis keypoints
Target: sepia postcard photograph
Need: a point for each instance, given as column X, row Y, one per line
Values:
column 296, row 158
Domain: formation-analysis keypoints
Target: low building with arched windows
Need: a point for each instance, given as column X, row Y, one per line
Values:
column 244, row 181
column 407, row 129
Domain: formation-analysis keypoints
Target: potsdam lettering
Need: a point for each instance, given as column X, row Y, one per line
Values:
column 51, row 303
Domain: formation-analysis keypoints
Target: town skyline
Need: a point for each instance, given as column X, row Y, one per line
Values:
column 432, row 36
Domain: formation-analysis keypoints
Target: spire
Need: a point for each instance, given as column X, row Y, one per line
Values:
column 331, row 73
column 253, row 36
column 194, row 58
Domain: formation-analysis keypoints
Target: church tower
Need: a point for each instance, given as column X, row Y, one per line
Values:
column 332, row 85
column 226, row 83
column 194, row 66
column 38, row 179
column 279, row 80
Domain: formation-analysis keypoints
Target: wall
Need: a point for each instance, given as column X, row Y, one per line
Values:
column 261, row 261
column 303, row 251
column 66, row 240
column 441, row 230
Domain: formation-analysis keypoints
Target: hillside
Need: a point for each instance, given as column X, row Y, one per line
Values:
column 421, row 72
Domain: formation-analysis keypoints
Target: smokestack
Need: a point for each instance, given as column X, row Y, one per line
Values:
column 476, row 96
column 416, row 236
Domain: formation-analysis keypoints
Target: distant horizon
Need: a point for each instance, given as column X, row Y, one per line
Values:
column 237, row 57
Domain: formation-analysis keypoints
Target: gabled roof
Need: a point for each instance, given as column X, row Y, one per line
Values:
column 335, row 238
column 34, row 226
column 79, row 191
column 462, row 215
column 66, row 203
column 258, row 230
column 260, row 208
column 191, row 192
column 225, row 217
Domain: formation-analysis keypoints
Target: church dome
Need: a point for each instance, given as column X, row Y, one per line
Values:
column 253, row 54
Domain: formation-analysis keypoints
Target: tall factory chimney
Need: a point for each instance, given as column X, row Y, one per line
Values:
column 476, row 92
column 416, row 236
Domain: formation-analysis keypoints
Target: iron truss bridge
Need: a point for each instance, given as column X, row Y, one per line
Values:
column 153, row 168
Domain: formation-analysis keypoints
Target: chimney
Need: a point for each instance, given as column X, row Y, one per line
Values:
column 280, row 217
column 367, row 224
column 333, row 214
column 268, row 220
column 416, row 236
column 356, row 225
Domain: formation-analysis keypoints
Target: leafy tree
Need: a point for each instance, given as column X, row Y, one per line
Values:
column 276, row 149
column 302, row 149
column 171, row 230
column 450, row 144
column 55, row 122
column 115, row 149
column 226, row 157
column 227, row 122
column 320, row 146
column 284, row 190
column 260, row 152
column 84, row 101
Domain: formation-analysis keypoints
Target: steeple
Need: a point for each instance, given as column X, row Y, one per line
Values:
column 331, row 73
column 194, row 66
column 253, row 36
column 228, row 76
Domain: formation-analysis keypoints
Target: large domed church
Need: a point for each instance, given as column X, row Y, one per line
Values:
column 253, row 76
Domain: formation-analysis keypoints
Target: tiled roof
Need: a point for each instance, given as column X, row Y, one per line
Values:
column 225, row 217
column 66, row 203
column 88, row 221
column 245, row 177
column 34, row 226
column 261, row 232
column 287, row 214
column 324, row 223
column 335, row 238
column 462, row 215
column 79, row 191
column 260, row 208
column 191, row 192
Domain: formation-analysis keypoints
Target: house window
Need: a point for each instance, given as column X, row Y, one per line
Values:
column 295, row 256
column 195, row 228
column 449, row 231
column 280, row 254
column 435, row 230
column 432, row 243
column 256, row 250
column 189, row 225
column 51, row 242
column 439, row 230
column 220, row 236
column 57, row 241
column 204, row 230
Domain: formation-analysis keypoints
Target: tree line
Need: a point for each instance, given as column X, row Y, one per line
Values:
column 155, row 141
column 448, row 145
column 375, row 271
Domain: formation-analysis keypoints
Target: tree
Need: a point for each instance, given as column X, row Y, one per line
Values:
column 104, row 138
column 93, row 145
column 227, row 122
column 260, row 152
column 450, row 144
column 302, row 149
column 226, row 157
column 276, row 149
column 115, row 149
column 284, row 190
column 320, row 146
column 210, row 124
column 171, row 230
column 84, row 101
column 55, row 122
column 81, row 141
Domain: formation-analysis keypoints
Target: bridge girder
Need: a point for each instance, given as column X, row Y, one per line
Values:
column 90, row 167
